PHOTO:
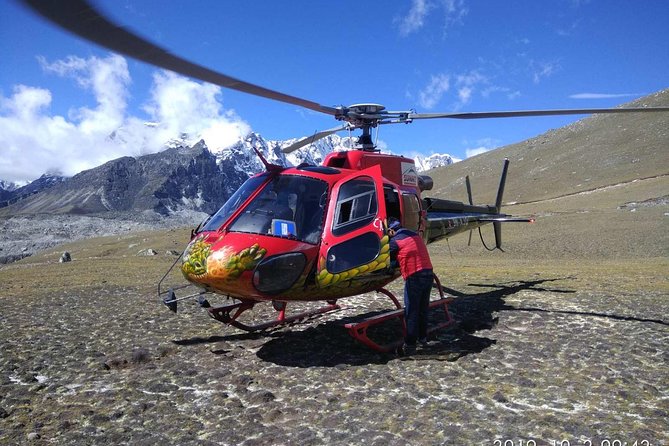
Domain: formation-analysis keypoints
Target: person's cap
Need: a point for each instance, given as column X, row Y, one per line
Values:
column 394, row 224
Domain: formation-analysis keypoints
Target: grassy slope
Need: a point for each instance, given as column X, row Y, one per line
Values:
column 97, row 262
column 594, row 152
column 599, row 190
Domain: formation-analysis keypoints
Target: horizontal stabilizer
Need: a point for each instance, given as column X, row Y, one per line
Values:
column 506, row 220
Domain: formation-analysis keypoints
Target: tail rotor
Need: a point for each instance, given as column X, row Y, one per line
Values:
column 471, row 203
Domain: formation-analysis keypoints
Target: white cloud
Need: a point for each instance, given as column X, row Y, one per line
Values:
column 181, row 105
column 568, row 30
column 480, row 146
column 476, row 151
column 465, row 94
column 33, row 140
column 453, row 12
column 510, row 94
column 541, row 70
column 108, row 79
column 382, row 146
column 465, row 85
column 603, row 95
column 415, row 19
column 433, row 92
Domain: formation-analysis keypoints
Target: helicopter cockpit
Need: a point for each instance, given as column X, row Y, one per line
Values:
column 290, row 206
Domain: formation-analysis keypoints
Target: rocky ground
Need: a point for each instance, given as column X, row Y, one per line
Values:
column 543, row 351
column 23, row 235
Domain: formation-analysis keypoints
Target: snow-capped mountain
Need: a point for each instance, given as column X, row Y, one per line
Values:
column 242, row 157
column 184, row 176
column 245, row 159
column 8, row 186
column 6, row 190
column 433, row 161
column 11, row 192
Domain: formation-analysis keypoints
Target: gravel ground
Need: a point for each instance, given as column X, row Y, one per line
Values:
column 541, row 358
column 22, row 236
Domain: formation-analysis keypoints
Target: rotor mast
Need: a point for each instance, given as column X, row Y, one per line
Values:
column 364, row 117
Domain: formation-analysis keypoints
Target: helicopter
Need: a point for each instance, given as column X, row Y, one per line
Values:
column 308, row 233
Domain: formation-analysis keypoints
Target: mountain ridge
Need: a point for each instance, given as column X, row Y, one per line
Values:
column 177, row 178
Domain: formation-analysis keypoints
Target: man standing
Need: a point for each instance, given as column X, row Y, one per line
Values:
column 409, row 251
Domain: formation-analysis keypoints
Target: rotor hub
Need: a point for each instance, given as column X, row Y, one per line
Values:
column 366, row 109
column 362, row 115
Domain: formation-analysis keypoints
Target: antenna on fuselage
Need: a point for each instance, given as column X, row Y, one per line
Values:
column 268, row 166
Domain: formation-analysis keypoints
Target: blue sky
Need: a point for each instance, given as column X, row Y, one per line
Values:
column 61, row 97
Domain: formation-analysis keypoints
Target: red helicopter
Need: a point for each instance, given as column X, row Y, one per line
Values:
column 307, row 233
column 313, row 233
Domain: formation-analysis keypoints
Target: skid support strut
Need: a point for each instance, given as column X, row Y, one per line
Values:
column 359, row 329
column 229, row 314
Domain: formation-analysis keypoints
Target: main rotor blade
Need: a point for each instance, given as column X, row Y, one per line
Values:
column 313, row 138
column 520, row 113
column 82, row 19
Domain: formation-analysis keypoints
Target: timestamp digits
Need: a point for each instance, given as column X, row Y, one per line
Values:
column 605, row 442
column 565, row 442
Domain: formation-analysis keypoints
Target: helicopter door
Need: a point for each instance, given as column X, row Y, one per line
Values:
column 354, row 226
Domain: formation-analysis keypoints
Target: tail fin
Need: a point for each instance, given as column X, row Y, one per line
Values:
column 498, row 205
column 471, row 203
column 502, row 182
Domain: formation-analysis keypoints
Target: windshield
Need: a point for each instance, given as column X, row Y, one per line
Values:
column 288, row 206
column 233, row 203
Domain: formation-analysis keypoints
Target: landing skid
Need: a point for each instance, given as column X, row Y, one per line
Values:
column 230, row 314
column 225, row 315
column 359, row 329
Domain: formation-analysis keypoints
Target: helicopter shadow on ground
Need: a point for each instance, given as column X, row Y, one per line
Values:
column 329, row 344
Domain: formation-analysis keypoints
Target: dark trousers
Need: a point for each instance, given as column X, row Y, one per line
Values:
column 417, row 290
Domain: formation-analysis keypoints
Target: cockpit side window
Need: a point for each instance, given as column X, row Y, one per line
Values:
column 356, row 205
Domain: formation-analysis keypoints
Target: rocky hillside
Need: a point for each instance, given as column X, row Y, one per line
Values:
column 180, row 178
column 11, row 193
column 176, row 178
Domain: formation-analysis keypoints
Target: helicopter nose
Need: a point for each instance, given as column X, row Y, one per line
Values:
column 204, row 260
column 239, row 265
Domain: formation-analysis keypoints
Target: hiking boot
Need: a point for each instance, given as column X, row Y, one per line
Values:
column 408, row 349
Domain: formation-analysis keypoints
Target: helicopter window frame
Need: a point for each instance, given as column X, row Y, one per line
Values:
column 355, row 211
column 302, row 198
column 232, row 204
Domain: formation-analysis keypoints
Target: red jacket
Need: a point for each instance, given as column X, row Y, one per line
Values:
column 409, row 249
